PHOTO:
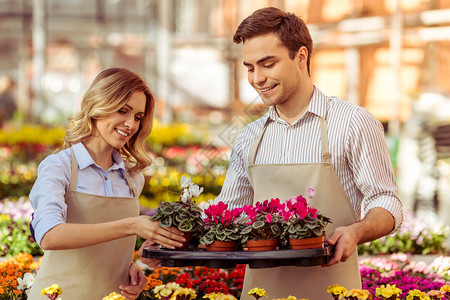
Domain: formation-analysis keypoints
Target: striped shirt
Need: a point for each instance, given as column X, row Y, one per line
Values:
column 357, row 147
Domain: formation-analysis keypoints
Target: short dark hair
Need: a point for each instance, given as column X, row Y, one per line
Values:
column 291, row 29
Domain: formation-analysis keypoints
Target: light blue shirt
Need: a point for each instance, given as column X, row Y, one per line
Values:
column 53, row 180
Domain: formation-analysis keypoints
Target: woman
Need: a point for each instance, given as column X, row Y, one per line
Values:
column 85, row 199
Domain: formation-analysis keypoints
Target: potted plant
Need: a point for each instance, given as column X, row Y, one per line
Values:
column 185, row 214
column 262, row 225
column 303, row 225
column 221, row 229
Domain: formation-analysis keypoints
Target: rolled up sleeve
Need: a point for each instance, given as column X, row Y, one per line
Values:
column 47, row 194
column 372, row 167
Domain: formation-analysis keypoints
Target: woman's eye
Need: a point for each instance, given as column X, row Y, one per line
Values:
column 122, row 111
column 137, row 119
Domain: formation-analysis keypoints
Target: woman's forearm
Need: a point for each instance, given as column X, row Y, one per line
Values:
column 72, row 236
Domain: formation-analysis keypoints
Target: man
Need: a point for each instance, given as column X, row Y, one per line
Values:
column 307, row 139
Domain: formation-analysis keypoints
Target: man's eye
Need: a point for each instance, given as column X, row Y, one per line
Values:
column 250, row 70
column 269, row 65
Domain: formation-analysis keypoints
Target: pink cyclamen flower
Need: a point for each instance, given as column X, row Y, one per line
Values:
column 311, row 192
column 269, row 218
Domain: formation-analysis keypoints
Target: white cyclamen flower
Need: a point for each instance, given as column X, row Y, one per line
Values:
column 26, row 282
column 195, row 190
column 185, row 197
column 185, row 182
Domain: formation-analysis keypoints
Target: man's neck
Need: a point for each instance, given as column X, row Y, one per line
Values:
column 290, row 111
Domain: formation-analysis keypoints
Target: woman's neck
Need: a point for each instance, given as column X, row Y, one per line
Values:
column 101, row 154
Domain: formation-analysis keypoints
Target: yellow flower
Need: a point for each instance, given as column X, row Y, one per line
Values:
column 258, row 292
column 51, row 290
column 219, row 296
column 114, row 296
column 184, row 292
column 165, row 292
column 226, row 297
column 173, row 286
column 336, row 289
column 436, row 294
column 355, row 293
column 211, row 296
column 387, row 291
column 445, row 288
column 416, row 293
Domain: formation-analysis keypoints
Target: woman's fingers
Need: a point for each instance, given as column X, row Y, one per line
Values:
column 168, row 237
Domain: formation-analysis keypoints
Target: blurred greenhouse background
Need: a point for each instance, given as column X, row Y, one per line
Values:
column 389, row 56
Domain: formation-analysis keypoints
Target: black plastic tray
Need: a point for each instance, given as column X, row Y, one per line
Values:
column 255, row 259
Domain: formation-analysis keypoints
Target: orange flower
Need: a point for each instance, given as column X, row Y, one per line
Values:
column 152, row 282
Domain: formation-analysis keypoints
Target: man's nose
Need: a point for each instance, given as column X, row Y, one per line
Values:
column 259, row 77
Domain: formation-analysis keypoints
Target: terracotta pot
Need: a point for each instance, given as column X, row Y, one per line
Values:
column 263, row 245
column 221, row 246
column 308, row 243
column 187, row 236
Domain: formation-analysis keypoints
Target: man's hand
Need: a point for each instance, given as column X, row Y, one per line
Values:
column 345, row 241
column 152, row 263
column 377, row 223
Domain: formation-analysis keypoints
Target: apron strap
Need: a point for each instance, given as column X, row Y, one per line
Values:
column 73, row 173
column 255, row 145
column 133, row 189
column 323, row 137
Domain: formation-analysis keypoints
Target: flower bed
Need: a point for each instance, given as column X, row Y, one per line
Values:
column 377, row 272
column 177, row 148
column 416, row 236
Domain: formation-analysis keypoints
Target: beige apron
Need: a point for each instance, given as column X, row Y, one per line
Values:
column 287, row 180
column 93, row 272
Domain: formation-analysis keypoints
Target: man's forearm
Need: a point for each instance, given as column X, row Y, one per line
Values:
column 377, row 223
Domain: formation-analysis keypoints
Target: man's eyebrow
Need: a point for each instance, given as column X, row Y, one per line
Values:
column 260, row 60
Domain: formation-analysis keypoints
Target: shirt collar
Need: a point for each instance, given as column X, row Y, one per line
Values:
column 85, row 160
column 317, row 106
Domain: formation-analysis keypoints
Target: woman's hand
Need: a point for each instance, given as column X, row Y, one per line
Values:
column 167, row 237
column 152, row 263
column 137, row 282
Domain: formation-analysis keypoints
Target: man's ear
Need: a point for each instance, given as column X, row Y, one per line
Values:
column 302, row 55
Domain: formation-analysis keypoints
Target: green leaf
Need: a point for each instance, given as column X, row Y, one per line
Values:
column 166, row 221
column 234, row 237
column 292, row 230
column 195, row 208
column 244, row 239
column 167, row 210
column 156, row 216
column 246, row 230
column 207, row 239
column 221, row 236
column 258, row 224
column 180, row 217
column 317, row 231
column 276, row 230
column 185, row 225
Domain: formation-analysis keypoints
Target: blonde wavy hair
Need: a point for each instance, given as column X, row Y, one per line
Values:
column 108, row 93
